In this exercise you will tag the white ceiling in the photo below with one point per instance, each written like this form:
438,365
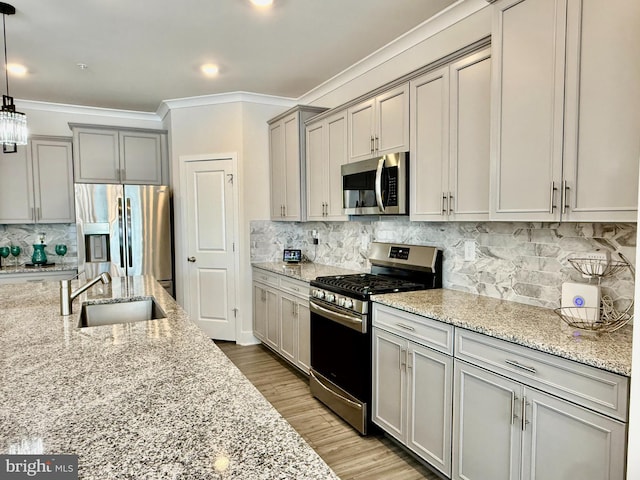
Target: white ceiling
140,52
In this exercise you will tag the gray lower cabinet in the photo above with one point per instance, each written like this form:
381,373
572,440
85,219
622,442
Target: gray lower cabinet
37,182
504,428
281,317
412,383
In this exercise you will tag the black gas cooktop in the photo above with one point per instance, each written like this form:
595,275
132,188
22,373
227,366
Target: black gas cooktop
365,284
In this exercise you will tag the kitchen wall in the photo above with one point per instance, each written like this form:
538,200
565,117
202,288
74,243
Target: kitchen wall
27,235
521,262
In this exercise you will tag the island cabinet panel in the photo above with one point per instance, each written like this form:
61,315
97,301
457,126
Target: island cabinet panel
534,415
38,186
287,165
119,155
412,383
450,112
565,111
326,153
281,318
379,125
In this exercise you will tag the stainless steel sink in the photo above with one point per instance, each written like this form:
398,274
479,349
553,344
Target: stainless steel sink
123,311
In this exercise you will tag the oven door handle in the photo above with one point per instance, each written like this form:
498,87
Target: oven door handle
335,394
379,184
354,323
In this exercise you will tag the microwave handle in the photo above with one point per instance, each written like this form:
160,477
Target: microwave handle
379,184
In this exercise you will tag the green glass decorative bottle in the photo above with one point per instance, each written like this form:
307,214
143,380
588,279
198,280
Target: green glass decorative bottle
39,256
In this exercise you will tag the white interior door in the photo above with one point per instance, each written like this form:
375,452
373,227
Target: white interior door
210,256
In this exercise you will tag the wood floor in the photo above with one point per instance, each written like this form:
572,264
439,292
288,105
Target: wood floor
350,455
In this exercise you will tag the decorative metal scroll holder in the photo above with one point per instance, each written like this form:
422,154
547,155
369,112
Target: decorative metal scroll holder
607,318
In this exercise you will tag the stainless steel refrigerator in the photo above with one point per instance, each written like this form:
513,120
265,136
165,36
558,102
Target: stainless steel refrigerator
125,230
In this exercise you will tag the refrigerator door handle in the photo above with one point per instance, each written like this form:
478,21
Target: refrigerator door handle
129,243
121,231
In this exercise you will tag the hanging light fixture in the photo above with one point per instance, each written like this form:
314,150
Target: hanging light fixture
13,125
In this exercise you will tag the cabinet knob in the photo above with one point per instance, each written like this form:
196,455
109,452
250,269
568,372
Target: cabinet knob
191,259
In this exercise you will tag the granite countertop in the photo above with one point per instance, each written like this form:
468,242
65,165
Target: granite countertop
534,327
8,269
154,399
306,271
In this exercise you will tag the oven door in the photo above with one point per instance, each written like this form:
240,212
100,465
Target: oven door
341,362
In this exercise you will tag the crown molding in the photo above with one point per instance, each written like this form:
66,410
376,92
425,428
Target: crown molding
221,98
86,110
447,17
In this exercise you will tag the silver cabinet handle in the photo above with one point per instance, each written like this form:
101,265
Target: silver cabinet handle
406,327
552,193
191,259
524,413
565,196
33,213
377,143
444,201
372,144
514,399
403,358
450,203
520,366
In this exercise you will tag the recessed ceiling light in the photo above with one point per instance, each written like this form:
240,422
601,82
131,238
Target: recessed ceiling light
82,66
262,3
210,69
17,69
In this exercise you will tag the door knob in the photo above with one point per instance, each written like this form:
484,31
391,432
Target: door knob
191,259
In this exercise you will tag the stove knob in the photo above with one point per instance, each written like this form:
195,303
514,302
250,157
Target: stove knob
331,297
320,294
348,303
341,301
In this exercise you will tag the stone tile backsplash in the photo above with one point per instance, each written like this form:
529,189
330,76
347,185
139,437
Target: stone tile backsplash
521,262
28,234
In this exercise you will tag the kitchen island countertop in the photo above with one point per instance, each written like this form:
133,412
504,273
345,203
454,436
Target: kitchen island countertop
153,400
535,327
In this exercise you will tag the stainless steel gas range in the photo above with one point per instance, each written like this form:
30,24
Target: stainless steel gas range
340,374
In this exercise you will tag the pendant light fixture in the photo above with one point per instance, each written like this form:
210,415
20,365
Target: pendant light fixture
13,125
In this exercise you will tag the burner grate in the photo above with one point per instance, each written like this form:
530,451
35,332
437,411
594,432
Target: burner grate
366,284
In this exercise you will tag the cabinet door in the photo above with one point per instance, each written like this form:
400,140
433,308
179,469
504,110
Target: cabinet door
96,156
288,328
140,158
260,312
470,114
563,440
316,172
602,116
272,337
361,119
429,409
16,187
277,170
392,120
336,138
429,146
304,336
389,383
52,162
527,111
486,430
292,168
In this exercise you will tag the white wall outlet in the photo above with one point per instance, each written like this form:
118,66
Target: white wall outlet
469,251
314,233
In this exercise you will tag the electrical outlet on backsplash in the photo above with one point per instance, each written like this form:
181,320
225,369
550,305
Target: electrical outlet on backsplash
25,236
521,262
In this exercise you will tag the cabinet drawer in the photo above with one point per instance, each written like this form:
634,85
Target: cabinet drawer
294,287
588,386
425,331
265,277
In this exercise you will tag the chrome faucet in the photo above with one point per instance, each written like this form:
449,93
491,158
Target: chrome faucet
67,296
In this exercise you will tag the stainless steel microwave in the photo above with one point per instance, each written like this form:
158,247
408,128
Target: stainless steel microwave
377,186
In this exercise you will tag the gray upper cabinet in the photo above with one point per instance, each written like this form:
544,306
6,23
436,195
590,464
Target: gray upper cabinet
565,113
114,155
450,111
287,151
379,125
37,186
326,153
